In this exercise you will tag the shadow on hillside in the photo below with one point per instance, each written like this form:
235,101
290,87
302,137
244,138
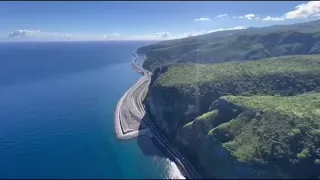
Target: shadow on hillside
148,145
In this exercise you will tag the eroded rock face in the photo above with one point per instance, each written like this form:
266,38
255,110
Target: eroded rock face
230,137
175,106
171,109
187,116
211,157
255,141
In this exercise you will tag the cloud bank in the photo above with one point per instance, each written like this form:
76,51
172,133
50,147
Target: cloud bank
302,11
247,16
305,10
269,18
163,34
24,34
222,15
111,36
202,19
197,33
39,35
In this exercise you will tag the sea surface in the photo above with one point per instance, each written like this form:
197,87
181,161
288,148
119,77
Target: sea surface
57,103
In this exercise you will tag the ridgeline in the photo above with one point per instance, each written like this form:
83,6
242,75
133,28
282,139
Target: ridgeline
241,103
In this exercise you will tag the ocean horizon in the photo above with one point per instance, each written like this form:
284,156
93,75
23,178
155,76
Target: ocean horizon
57,102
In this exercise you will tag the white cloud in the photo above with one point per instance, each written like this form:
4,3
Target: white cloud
202,19
247,16
227,29
30,35
239,17
39,35
24,34
168,35
269,18
197,33
304,10
316,15
194,33
222,15
155,36
111,36
163,34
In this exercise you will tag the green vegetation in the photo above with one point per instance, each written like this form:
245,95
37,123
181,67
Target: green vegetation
269,131
304,154
189,74
305,105
256,129
269,121
208,115
195,83
241,103
236,45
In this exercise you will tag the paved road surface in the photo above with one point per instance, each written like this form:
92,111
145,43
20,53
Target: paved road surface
129,113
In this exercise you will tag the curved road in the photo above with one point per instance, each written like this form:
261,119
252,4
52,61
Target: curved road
130,110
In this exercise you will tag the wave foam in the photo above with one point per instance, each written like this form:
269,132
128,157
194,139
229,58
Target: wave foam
169,169
174,172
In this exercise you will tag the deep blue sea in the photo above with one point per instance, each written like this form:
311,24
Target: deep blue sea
57,103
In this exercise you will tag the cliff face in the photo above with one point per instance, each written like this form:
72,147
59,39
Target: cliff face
235,141
257,137
175,104
242,119
172,108
208,152
222,136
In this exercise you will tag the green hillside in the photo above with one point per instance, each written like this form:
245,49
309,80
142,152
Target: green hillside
280,134
241,103
236,45
197,74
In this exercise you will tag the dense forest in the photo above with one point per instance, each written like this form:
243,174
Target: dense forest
236,45
241,103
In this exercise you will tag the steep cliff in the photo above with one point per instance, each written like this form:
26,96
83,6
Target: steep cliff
183,103
184,91
256,137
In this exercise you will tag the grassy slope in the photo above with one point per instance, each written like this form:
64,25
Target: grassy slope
278,132
281,131
260,130
286,75
292,116
248,44
196,74
197,86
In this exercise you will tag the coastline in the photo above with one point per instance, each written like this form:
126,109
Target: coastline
128,133
151,130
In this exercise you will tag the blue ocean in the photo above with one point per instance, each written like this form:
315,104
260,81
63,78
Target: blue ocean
57,103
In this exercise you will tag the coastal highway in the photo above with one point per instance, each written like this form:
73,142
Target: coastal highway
129,113
179,159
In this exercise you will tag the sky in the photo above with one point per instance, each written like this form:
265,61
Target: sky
153,20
